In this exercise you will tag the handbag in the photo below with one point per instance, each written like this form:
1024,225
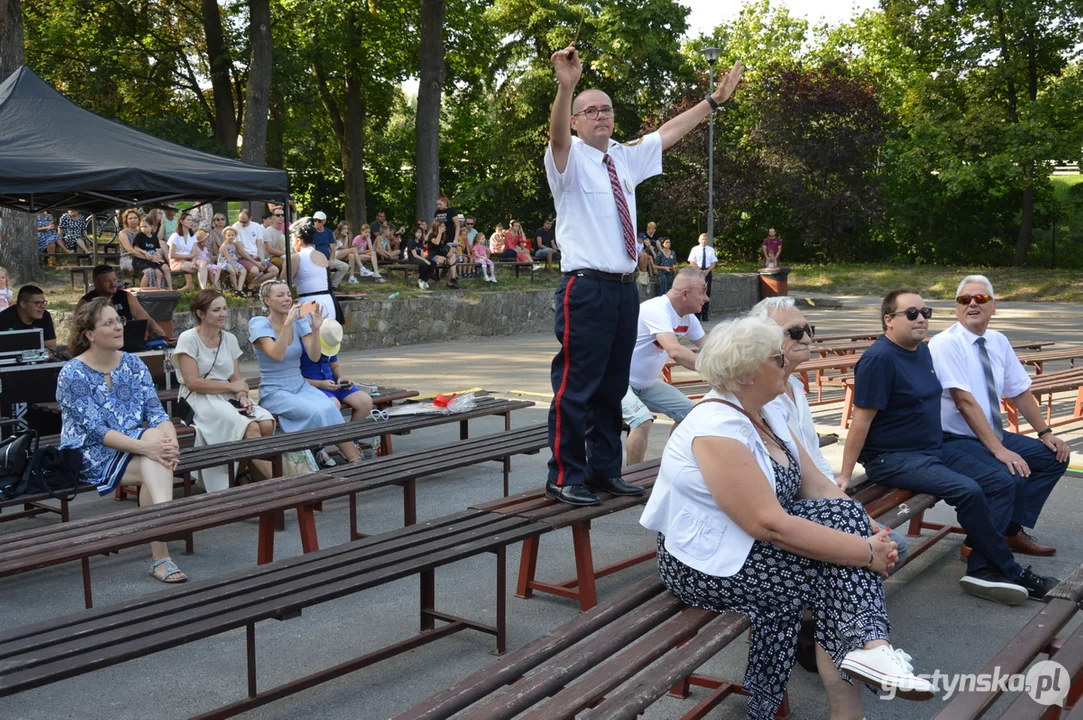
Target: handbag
182,409
54,471
15,453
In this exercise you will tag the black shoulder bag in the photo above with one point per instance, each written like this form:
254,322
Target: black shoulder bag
182,408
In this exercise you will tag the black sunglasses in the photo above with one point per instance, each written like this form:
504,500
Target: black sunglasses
912,313
796,333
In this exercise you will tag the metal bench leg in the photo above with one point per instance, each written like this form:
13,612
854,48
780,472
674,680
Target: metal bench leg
250,644
501,599
584,565
528,567
88,596
428,600
306,523
265,546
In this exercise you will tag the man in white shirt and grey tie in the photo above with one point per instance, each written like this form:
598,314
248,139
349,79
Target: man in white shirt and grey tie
593,180
977,367
703,257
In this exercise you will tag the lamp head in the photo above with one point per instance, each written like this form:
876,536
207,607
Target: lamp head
711,53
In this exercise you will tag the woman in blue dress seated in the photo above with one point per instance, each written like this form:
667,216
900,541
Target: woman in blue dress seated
279,340
112,415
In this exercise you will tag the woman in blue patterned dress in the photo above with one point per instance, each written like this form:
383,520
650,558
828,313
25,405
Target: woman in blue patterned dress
48,237
112,415
664,262
279,340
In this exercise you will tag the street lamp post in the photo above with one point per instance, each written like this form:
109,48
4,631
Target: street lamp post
711,53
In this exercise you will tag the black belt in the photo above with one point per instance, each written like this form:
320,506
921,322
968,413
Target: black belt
614,277
316,292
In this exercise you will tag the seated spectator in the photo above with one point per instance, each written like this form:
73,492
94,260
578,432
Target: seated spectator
440,254
73,231
309,268
127,305
274,240
218,235
654,242
111,414
746,523
344,250
365,248
206,259
130,222
6,296
470,223
896,434
426,269
516,245
384,245
480,253
251,252
29,313
146,258
978,367
396,242
663,323
167,222
229,260
497,244
279,340
208,360
664,262
48,237
380,223
547,246
183,254
639,420
324,242
324,374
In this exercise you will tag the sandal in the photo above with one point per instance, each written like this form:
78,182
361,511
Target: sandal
171,569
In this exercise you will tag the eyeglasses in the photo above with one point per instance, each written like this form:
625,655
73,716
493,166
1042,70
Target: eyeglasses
114,323
796,333
37,303
279,214
980,299
219,219
912,313
779,359
593,113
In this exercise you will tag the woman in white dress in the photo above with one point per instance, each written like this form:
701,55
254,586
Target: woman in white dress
207,358
309,273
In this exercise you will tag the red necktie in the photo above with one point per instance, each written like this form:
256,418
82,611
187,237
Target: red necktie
622,208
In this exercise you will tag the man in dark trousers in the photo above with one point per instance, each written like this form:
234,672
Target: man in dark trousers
704,258
593,180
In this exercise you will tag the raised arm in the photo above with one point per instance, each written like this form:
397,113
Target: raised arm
680,126
568,69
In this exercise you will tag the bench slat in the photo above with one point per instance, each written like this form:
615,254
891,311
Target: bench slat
1070,656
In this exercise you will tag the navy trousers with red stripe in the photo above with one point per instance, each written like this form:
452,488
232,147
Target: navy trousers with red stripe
596,323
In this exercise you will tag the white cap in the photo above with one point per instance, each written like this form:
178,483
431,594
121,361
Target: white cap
319,215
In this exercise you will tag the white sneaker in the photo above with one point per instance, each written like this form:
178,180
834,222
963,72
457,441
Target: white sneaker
425,286
888,669
379,279
537,267
323,459
365,272
352,279
421,285
492,278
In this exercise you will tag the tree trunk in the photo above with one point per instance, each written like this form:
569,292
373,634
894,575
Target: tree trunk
18,238
276,131
1026,225
258,100
225,110
353,159
431,76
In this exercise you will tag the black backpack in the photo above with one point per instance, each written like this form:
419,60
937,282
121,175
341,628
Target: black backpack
26,469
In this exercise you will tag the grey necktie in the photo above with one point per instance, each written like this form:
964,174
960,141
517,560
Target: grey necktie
991,388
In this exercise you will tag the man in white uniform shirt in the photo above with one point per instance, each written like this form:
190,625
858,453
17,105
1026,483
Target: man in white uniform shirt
663,322
593,180
704,258
977,367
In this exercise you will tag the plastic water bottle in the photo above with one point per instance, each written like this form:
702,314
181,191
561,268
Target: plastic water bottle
393,295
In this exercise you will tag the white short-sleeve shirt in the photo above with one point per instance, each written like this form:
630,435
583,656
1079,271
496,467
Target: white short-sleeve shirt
587,221
648,358
250,237
702,256
958,365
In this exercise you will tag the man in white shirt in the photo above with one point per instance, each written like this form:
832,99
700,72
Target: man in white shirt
593,180
250,236
704,258
274,241
978,367
663,322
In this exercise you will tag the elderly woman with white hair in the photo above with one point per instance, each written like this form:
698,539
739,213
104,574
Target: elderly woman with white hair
747,523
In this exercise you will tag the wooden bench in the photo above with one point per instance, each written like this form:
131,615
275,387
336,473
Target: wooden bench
57,649
1038,637
644,637
83,271
1046,385
81,539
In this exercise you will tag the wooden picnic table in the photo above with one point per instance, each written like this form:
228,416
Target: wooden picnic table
844,337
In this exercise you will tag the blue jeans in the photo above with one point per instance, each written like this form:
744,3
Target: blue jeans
982,498
1031,492
666,399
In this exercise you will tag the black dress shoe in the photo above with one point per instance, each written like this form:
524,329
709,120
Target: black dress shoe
614,485
571,494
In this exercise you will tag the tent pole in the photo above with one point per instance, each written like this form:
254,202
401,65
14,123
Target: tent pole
286,217
93,239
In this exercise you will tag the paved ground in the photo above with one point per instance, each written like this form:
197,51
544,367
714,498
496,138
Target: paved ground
932,618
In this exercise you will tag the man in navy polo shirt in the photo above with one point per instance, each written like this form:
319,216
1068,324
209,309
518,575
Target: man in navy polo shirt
896,434
593,180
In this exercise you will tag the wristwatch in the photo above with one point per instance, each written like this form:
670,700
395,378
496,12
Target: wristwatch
1044,432
712,102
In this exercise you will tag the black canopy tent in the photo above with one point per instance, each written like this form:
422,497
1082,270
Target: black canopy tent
54,153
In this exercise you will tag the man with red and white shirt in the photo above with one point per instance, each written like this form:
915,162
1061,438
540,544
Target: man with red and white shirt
663,322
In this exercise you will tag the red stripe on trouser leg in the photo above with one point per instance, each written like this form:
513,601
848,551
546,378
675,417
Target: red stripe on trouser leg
563,379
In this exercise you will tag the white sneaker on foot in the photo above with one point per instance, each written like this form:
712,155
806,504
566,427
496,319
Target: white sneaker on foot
888,669
365,272
352,279
537,267
421,285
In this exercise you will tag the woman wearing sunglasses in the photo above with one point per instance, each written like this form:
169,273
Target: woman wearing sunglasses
747,523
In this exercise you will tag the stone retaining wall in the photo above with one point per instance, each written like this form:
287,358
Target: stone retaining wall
378,322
